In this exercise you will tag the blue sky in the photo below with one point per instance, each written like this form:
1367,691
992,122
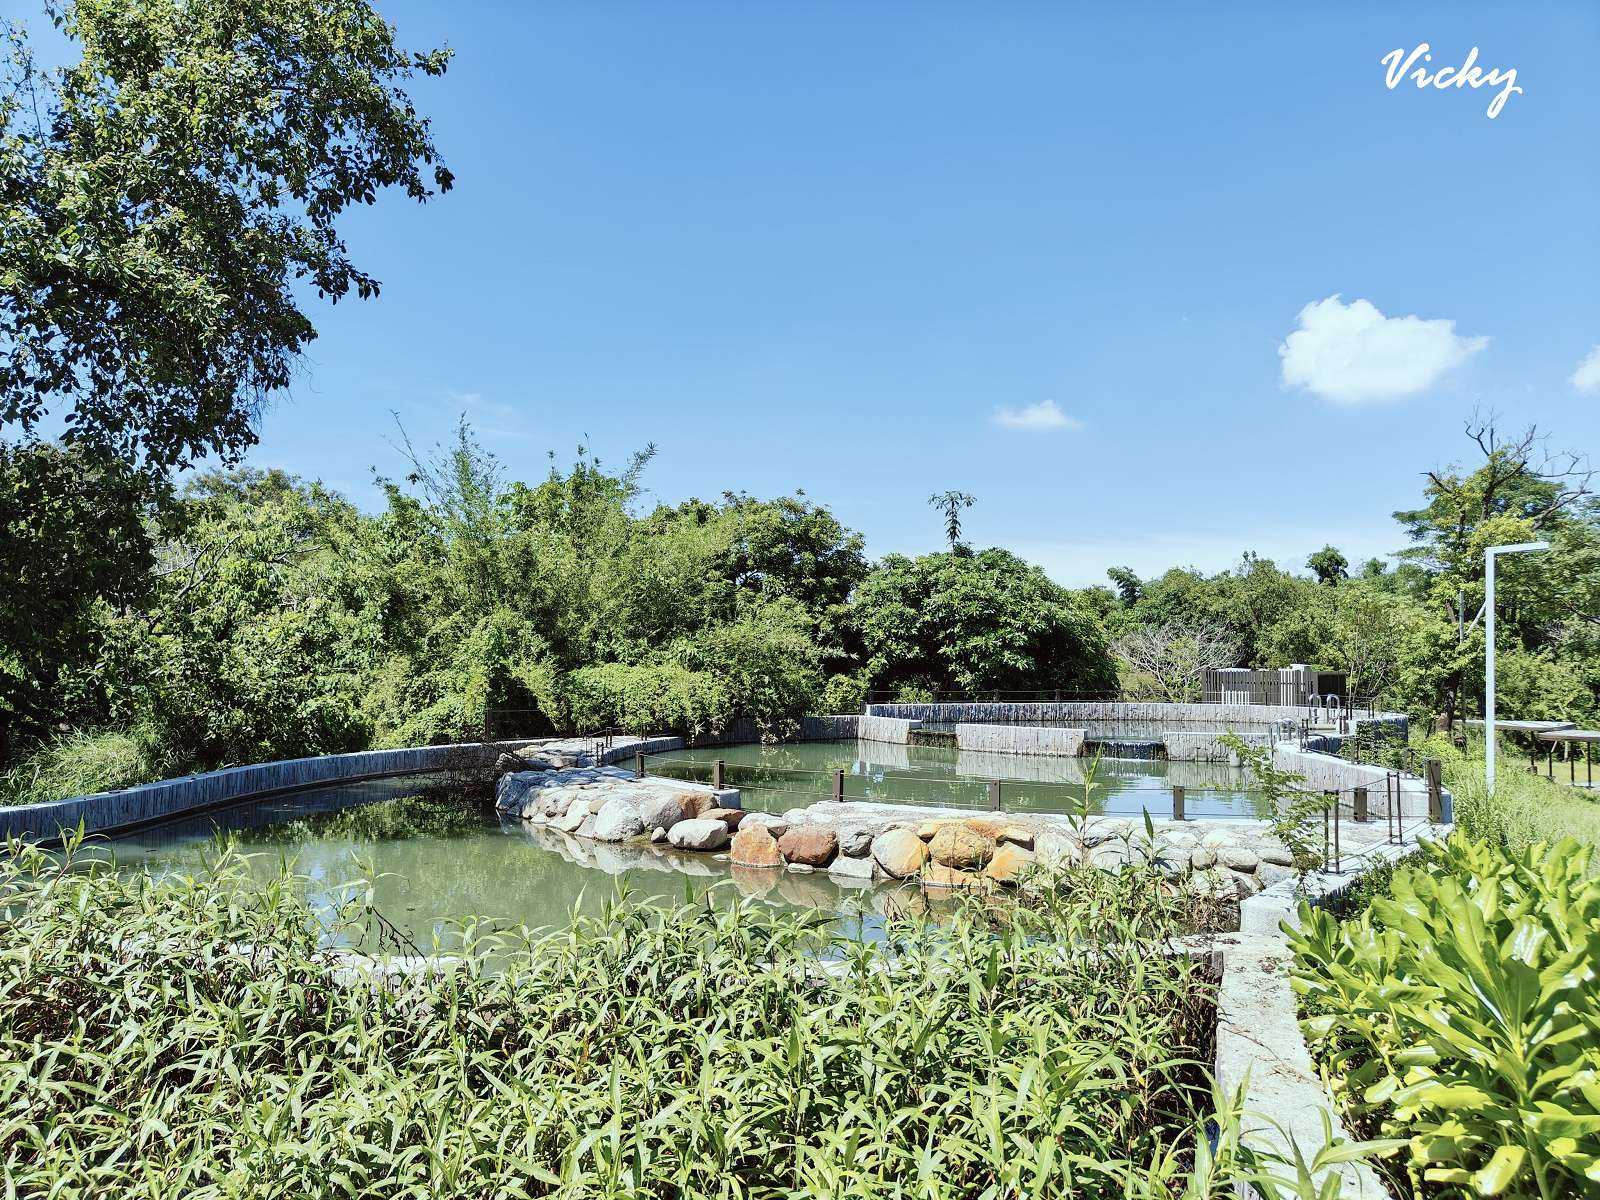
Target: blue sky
827,246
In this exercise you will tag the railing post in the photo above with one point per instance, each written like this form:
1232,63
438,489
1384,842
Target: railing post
638,764
1338,865
1177,803
1435,775
719,771
1360,798
838,785
994,795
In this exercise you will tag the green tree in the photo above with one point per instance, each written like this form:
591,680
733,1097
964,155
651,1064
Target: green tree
1129,586
74,546
951,505
968,623
1328,565
168,199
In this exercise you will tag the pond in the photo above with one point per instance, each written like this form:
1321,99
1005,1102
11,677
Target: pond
773,778
435,857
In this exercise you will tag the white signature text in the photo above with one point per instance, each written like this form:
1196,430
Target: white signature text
1398,65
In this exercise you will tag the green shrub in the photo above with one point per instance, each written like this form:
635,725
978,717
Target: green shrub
1461,1014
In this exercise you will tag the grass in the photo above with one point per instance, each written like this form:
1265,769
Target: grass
79,764
188,1037
1525,809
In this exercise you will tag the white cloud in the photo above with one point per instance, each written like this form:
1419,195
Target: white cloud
1587,377
1037,418
1352,353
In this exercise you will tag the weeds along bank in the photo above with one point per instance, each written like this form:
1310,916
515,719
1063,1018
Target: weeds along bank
194,1037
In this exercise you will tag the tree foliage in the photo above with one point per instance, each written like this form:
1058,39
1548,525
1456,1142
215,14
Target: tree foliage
167,199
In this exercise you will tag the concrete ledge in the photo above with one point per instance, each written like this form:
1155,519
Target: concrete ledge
1091,712
874,728
1329,772
1019,739
149,803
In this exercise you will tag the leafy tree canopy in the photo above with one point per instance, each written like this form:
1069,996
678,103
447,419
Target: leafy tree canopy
165,200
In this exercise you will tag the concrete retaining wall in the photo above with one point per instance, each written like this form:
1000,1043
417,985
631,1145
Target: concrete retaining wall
111,812
837,728
876,728
1019,739
1328,772
1105,712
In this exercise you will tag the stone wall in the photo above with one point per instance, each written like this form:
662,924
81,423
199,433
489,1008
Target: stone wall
1020,739
833,728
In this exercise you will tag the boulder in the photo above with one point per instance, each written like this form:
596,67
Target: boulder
775,825
937,875
696,834
754,846
695,803
1238,858
855,841
1010,863
617,820
1277,855
900,853
1017,835
1269,873
1108,856
728,816
960,847
853,868
660,810
572,819
658,834
1055,848
1202,858
811,846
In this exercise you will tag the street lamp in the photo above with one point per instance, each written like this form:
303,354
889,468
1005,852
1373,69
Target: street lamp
1489,555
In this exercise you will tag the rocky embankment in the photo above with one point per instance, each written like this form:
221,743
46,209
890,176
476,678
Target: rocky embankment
854,841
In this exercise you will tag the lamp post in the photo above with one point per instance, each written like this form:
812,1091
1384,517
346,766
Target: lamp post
1489,555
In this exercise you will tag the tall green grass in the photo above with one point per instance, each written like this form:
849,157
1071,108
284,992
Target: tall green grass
78,764
189,1037
1525,809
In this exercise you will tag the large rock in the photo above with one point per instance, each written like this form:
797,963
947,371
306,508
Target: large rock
853,868
661,810
774,824
1277,855
754,846
855,841
573,818
728,816
809,845
617,820
1238,858
937,875
1202,858
960,847
1010,863
698,835
1055,848
900,853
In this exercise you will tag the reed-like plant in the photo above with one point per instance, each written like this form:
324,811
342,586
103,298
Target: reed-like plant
197,1037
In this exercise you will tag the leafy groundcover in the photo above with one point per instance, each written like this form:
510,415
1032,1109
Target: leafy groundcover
193,1038
1462,1014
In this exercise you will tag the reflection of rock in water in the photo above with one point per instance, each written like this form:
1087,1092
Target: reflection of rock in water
758,882
805,891
1218,776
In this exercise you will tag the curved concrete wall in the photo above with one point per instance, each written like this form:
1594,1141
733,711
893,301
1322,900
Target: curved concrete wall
111,812
1020,739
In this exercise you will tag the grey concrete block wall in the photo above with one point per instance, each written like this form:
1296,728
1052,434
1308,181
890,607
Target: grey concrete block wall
876,728
1101,712
1020,739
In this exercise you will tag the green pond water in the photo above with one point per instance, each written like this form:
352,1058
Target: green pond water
773,778
433,859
